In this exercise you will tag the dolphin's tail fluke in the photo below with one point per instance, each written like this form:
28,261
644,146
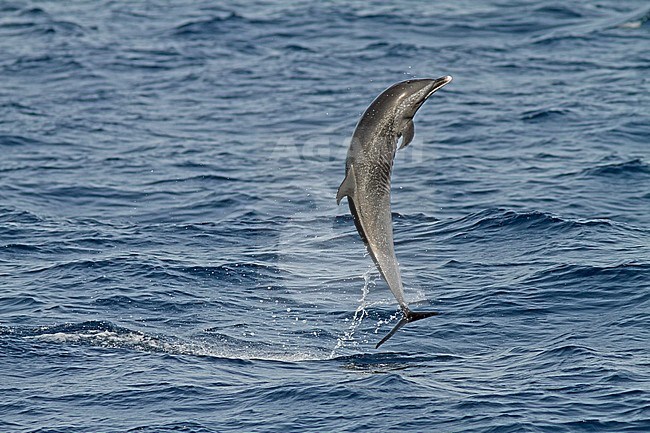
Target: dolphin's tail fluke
408,317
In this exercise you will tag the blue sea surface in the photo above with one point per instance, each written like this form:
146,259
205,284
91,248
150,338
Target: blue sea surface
172,258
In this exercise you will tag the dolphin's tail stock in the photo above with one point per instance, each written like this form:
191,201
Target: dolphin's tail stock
408,317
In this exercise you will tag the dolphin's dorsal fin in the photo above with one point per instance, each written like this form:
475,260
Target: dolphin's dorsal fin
407,134
347,186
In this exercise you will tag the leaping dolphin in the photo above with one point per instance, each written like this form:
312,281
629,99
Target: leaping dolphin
368,169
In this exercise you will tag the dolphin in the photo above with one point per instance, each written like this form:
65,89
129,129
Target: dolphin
368,170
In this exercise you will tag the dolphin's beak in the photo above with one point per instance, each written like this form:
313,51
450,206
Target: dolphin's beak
437,84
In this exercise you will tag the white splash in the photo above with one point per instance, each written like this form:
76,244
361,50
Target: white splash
359,314
135,340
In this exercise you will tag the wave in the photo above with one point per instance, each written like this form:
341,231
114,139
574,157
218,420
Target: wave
55,66
631,167
37,21
19,140
635,20
105,334
504,219
588,26
624,273
19,216
136,266
544,114
376,50
202,178
557,11
211,26
18,248
581,288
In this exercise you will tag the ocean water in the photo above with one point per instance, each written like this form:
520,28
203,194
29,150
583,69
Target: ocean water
172,257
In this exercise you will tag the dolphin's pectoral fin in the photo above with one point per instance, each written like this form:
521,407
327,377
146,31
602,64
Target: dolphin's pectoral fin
347,186
409,316
407,134
358,225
